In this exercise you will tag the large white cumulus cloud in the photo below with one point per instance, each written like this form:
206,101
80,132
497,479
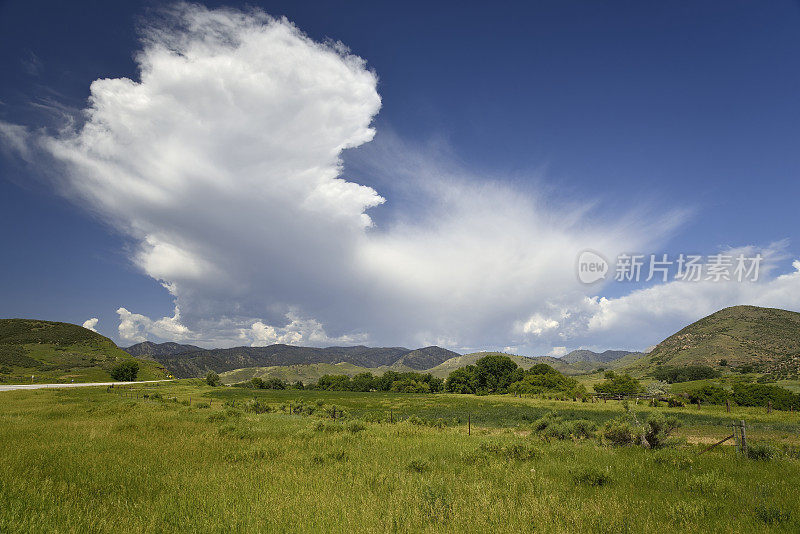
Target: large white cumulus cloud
222,162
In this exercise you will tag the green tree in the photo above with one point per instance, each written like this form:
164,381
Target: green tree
496,372
257,383
363,382
408,385
125,371
615,384
212,379
541,378
463,380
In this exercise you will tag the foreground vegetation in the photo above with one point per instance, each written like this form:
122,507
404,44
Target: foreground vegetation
231,459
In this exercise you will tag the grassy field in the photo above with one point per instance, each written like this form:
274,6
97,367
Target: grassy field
88,460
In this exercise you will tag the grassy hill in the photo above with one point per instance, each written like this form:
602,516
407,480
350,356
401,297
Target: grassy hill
61,352
767,339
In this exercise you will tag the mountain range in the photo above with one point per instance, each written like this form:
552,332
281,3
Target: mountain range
765,340
197,362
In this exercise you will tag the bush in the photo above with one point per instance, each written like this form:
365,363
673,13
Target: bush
212,379
553,426
557,431
356,426
545,421
582,429
516,451
761,395
760,451
674,402
418,466
620,432
709,394
125,371
771,515
657,429
591,476
254,406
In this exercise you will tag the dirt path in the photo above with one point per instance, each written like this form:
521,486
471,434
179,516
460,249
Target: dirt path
14,387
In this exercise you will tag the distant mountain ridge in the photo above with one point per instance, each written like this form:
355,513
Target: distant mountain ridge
148,348
197,362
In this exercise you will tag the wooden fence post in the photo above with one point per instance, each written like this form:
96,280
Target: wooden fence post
391,416
744,439
727,406
769,406
469,424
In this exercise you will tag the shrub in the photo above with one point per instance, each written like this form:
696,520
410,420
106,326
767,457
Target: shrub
760,451
212,379
657,430
675,402
582,428
202,405
125,371
760,395
771,515
545,421
356,426
517,451
709,394
591,476
557,431
620,432
418,466
254,406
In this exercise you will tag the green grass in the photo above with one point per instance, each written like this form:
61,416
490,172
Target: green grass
84,460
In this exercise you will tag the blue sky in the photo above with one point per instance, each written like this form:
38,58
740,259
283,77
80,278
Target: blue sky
671,127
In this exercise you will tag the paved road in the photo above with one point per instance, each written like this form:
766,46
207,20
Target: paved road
12,387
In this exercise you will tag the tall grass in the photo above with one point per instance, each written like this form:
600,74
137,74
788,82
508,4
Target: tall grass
90,461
